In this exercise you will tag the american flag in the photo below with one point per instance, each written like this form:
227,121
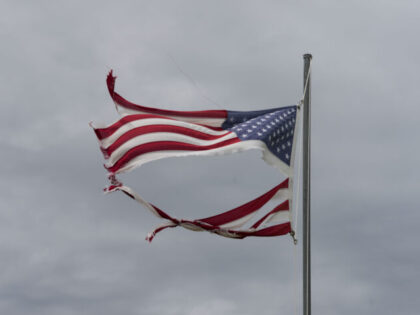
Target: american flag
145,134
229,223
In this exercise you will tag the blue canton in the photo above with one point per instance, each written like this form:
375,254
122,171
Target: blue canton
275,127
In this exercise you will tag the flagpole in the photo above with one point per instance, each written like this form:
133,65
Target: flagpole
306,196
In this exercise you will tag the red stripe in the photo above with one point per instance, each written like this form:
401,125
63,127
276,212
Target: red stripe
103,133
164,145
274,230
157,128
243,210
152,236
284,206
212,127
197,223
163,214
123,102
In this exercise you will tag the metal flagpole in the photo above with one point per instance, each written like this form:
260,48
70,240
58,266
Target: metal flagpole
306,189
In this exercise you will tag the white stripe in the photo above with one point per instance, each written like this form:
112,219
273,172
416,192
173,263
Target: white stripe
139,199
282,193
225,233
229,149
239,222
106,142
191,226
278,217
213,122
161,136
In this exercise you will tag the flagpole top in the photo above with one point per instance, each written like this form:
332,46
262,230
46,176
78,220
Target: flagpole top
307,56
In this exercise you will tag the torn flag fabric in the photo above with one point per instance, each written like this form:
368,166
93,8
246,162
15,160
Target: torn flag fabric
230,223
145,134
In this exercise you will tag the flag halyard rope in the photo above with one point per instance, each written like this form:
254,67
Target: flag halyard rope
306,85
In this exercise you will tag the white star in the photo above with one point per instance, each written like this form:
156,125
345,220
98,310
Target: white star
244,135
249,130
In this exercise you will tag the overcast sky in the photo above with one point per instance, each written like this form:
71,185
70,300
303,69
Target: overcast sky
66,249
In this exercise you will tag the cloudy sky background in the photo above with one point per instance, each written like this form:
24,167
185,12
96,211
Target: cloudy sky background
67,249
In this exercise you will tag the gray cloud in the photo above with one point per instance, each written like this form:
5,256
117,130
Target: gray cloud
67,249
